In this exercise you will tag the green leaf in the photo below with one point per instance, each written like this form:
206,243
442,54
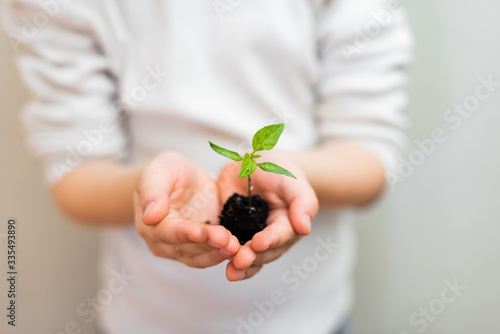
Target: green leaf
273,168
248,166
267,137
228,154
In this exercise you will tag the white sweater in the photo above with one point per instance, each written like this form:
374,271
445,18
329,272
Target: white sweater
128,79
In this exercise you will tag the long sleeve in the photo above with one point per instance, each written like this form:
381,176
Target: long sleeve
73,115
225,79
364,49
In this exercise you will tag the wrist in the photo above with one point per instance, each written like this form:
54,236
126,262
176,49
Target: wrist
124,184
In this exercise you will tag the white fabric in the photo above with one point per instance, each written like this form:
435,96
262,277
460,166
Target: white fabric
97,63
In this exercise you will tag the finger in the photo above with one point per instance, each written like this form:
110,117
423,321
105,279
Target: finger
303,205
206,259
176,231
154,192
277,233
234,274
137,210
245,257
141,228
233,247
218,236
186,250
273,254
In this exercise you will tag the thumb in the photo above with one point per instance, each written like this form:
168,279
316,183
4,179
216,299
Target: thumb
302,210
153,194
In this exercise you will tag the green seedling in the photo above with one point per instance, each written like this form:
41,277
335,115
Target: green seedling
264,140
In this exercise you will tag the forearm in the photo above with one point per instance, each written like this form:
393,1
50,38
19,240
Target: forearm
99,192
342,173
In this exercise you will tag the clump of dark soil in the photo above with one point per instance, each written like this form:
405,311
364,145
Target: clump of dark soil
242,220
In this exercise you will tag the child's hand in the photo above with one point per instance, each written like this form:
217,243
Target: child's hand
174,199
292,206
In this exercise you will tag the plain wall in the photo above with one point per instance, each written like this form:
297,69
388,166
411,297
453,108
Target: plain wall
440,224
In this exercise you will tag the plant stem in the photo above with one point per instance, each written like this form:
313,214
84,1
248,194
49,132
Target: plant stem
249,192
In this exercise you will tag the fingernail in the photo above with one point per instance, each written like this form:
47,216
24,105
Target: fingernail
224,253
242,276
148,207
307,220
211,244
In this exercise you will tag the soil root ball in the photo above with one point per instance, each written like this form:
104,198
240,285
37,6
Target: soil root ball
242,220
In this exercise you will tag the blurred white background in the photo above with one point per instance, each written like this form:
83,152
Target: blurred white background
443,221
440,224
